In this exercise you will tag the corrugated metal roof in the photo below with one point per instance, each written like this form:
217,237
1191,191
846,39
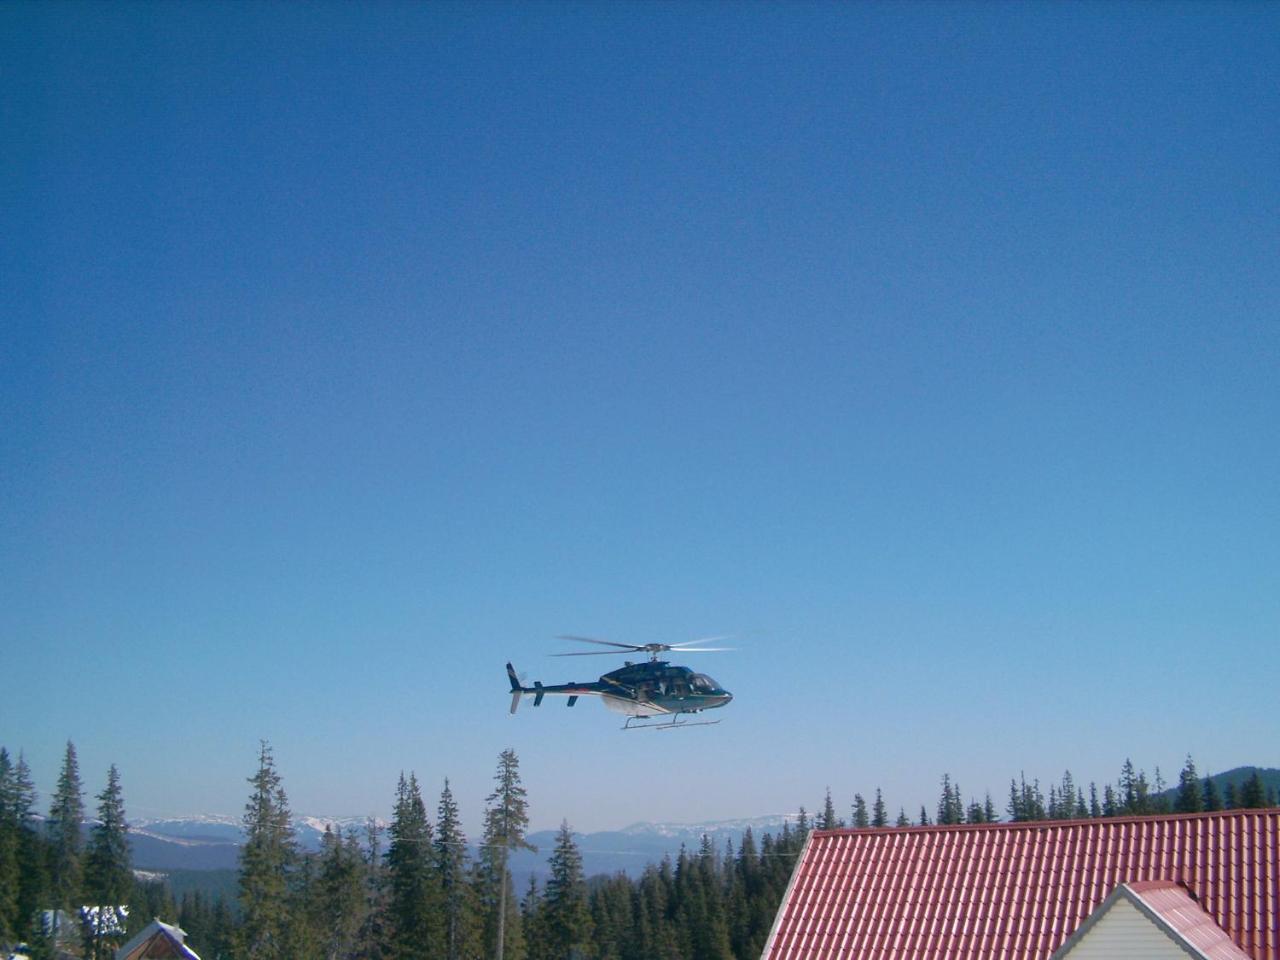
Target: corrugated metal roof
1017,891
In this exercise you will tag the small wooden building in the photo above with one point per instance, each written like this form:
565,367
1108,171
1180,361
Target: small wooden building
158,940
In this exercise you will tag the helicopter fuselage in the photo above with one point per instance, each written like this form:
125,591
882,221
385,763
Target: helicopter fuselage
649,689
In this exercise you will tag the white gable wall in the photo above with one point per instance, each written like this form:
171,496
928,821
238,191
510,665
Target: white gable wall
1124,931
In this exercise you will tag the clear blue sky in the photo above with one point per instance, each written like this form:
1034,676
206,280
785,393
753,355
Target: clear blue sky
929,350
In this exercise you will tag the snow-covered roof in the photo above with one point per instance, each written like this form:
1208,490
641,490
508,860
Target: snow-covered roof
171,935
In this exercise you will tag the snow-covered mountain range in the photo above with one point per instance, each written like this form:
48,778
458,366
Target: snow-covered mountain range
211,842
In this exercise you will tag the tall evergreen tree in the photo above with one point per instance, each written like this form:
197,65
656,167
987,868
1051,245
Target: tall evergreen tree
1095,808
506,822
828,819
1111,805
1128,787
567,917
1230,797
1067,800
532,915
950,805
33,871
1014,808
414,901
1142,794
902,820
612,917
108,874
337,901
1253,794
974,813
1158,802
860,816
66,816
451,870
9,840
1190,798
374,936
1212,799
268,858
879,813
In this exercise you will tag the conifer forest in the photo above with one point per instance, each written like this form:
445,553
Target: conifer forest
422,889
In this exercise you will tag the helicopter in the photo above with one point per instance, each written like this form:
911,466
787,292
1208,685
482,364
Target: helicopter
653,688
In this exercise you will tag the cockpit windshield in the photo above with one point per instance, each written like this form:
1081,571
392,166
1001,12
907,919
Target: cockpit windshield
704,683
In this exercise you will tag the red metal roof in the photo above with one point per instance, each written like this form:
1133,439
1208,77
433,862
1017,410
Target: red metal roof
1016,891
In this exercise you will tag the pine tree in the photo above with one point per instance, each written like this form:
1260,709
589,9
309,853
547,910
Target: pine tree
860,815
1110,802
989,810
1142,794
1253,794
336,897
413,906
1128,788
974,813
374,936
879,814
9,840
828,819
1095,808
150,899
506,821
612,917
1026,802
950,806
924,816
1212,798
451,870
108,874
1190,798
532,922
66,814
1067,796
902,820
1157,802
33,874
568,919
267,860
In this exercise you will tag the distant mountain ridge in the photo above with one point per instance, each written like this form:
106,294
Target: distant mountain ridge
212,842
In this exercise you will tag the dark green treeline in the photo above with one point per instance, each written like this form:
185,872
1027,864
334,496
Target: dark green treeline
420,891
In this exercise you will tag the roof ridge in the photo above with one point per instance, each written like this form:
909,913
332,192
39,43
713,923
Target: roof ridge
1048,824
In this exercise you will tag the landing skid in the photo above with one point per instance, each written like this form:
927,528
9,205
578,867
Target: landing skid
675,723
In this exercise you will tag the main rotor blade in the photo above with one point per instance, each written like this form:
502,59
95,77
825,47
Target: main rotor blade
586,653
603,643
688,643
704,649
